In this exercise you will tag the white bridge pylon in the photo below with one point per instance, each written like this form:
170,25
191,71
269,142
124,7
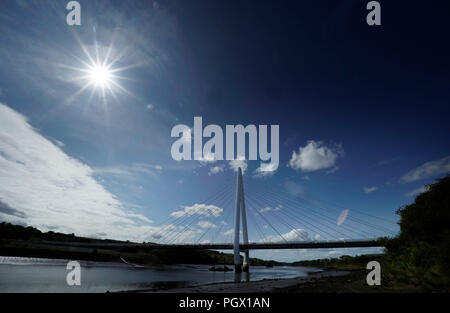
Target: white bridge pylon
238,213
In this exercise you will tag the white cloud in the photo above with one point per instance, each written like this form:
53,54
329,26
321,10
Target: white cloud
176,234
51,190
216,170
129,170
206,224
200,209
207,158
428,169
417,191
332,170
239,163
266,169
56,141
268,209
315,156
295,189
229,232
293,235
386,162
342,217
178,214
370,189
140,217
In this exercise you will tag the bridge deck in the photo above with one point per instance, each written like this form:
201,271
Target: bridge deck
227,246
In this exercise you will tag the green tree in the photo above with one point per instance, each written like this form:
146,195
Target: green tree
422,249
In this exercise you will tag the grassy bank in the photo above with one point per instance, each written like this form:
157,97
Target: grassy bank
392,279
353,282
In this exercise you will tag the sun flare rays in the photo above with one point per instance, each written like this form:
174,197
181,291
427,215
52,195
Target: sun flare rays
98,72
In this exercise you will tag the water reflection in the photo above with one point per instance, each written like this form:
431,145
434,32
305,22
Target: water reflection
237,277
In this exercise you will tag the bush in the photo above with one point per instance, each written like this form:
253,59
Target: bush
422,249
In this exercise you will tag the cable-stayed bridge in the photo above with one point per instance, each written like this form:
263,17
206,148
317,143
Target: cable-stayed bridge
277,220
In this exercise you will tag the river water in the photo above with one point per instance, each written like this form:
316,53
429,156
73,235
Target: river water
19,274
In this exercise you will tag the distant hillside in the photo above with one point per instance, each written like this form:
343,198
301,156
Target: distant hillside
9,231
17,240
345,262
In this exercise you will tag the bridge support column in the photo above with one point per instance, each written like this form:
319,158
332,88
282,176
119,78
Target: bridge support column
240,209
246,264
237,215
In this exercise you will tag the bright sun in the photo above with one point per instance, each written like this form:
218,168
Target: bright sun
99,72
100,75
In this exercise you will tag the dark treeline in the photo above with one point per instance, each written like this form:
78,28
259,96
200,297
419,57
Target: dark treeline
17,240
345,262
10,231
421,252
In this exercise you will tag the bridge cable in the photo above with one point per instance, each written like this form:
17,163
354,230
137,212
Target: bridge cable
357,220
195,217
337,210
326,218
257,227
302,221
212,225
180,220
175,219
222,225
270,224
343,207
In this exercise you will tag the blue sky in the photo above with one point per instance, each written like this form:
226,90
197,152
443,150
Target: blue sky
363,111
